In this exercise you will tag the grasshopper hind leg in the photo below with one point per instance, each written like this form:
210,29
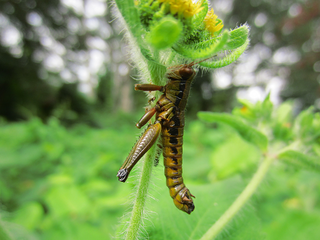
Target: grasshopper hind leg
145,142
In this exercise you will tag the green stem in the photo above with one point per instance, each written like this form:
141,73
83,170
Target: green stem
141,196
240,201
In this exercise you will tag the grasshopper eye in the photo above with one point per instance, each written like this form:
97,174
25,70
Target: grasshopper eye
186,72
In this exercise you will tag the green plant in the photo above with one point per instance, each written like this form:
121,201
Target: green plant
73,193
294,142
162,34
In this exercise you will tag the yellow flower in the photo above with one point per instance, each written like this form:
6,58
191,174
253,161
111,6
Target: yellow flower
192,8
211,23
186,8
174,7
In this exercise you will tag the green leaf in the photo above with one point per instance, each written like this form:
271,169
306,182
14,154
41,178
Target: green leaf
165,33
210,202
282,127
267,107
237,38
246,111
316,149
300,160
243,157
303,122
231,57
247,132
203,50
29,215
23,156
316,122
261,111
246,103
228,40
294,224
284,112
62,200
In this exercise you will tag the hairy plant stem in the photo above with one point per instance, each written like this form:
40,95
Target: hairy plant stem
240,201
138,211
141,196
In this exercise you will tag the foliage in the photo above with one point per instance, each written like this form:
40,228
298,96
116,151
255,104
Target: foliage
64,180
295,150
59,183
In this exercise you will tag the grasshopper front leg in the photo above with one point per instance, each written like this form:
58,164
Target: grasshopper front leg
145,142
148,115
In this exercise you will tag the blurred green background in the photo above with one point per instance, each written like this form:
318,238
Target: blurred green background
68,111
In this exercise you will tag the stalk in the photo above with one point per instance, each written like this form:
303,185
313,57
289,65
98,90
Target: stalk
240,201
138,211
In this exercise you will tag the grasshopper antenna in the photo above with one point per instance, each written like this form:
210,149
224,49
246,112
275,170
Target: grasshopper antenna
194,63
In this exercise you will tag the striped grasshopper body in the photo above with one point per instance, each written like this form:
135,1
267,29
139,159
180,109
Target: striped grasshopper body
169,110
